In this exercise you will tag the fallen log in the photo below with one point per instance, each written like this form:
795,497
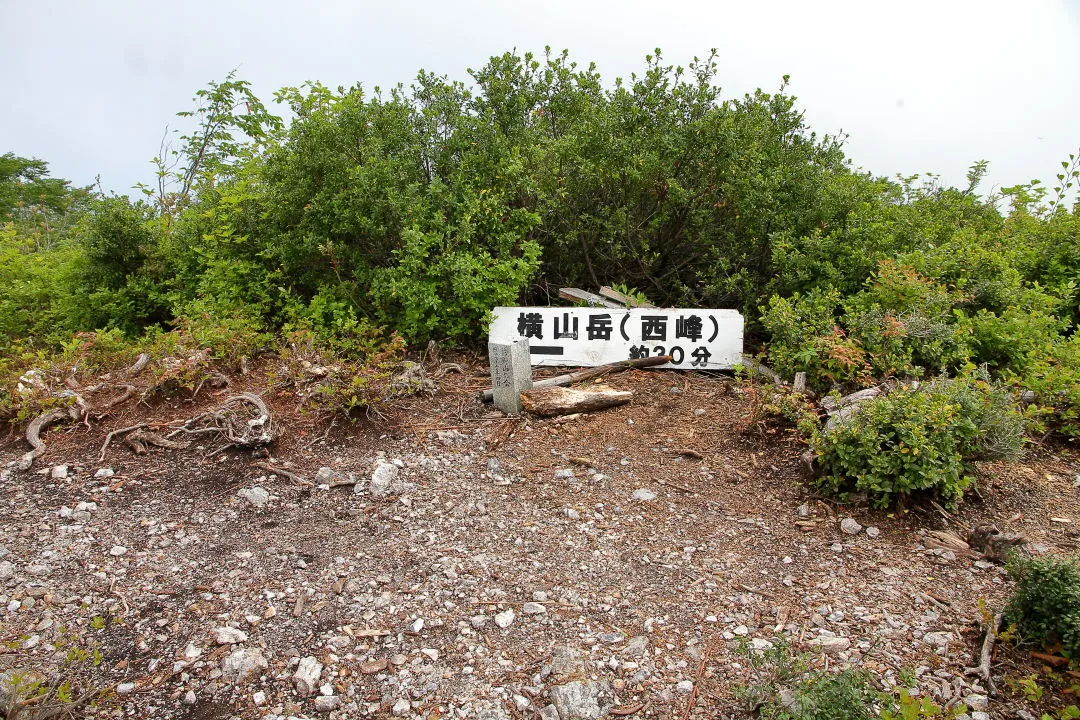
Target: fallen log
590,373
548,401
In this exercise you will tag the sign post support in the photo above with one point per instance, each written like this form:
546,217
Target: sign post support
511,373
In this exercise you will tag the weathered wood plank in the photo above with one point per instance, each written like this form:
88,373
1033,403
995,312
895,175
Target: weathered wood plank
550,401
578,295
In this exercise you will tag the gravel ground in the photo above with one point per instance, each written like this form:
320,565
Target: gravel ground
451,563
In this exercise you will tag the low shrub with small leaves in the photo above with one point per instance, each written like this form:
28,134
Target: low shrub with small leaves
1045,604
920,440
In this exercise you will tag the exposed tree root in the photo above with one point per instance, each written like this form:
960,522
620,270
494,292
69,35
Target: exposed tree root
283,472
983,668
238,427
33,433
139,439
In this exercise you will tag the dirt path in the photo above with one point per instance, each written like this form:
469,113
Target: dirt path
632,568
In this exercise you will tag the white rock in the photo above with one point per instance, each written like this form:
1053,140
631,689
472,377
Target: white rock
401,707
980,716
117,550
643,495
7,570
872,531
977,703
242,663
938,639
478,621
125,688
190,698
430,653
417,625
257,496
578,700
307,676
229,636
382,478
506,618
850,527
59,472
104,473
685,687
533,608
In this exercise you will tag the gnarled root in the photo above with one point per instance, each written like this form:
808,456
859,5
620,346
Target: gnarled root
33,433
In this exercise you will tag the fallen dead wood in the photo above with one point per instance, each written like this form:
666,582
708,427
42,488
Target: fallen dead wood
548,401
139,365
114,433
140,439
983,668
293,476
33,433
590,373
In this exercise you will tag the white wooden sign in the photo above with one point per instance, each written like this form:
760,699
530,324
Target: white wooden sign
591,336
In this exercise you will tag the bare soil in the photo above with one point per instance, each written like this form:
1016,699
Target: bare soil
396,596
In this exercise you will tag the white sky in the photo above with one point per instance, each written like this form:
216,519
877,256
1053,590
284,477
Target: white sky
918,86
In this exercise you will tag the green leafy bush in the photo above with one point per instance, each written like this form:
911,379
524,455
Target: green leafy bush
920,441
1045,604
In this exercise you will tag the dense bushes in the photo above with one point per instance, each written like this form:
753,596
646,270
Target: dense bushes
920,440
1045,604
418,209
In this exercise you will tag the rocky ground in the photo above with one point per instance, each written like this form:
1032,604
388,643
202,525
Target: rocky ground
448,562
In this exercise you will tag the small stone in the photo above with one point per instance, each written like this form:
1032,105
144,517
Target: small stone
398,660
977,703
382,478
836,547
533,608
257,496
938,639
564,474
401,707
506,618
104,473
307,676
872,531
325,475
578,700
7,570
229,636
741,630
242,663
416,626
540,596
373,666
478,621
259,698
699,412
118,550
191,699
549,712
430,653
830,645
125,688
803,511
643,495
760,644
685,687
850,527
326,703
980,716
59,472
572,514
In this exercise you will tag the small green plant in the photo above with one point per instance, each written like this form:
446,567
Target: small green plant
1045,604
920,440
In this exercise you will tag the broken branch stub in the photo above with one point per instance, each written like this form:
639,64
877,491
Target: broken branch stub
550,401
33,433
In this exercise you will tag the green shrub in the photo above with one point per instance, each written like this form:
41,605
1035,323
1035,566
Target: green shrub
1045,604
920,441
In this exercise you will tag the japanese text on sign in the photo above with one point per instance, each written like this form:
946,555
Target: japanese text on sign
588,336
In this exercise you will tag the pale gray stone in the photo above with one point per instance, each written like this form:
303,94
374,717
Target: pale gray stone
579,700
511,373
643,495
257,496
307,676
241,664
382,478
506,618
850,527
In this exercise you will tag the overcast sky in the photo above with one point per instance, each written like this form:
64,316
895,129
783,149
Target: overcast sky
918,86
